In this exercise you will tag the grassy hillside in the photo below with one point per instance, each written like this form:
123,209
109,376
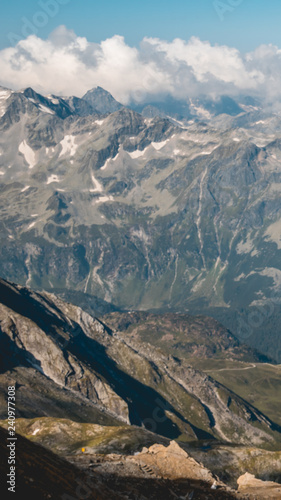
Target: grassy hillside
258,383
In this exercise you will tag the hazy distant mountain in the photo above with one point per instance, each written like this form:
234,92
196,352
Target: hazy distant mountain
102,101
202,108
169,107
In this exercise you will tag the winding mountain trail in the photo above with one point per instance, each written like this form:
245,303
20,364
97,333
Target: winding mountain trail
233,369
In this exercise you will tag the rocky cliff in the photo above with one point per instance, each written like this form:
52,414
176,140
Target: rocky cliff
124,379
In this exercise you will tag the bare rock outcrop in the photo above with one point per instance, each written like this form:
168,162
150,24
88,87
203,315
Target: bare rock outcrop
255,488
173,463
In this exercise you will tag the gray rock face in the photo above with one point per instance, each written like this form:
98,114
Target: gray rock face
255,488
145,213
39,333
102,101
127,380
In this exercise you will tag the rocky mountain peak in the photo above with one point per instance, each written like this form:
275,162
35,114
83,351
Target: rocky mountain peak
102,100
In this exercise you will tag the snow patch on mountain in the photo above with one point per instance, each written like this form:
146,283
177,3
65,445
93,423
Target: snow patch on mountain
106,163
103,199
52,178
240,277
109,160
28,154
208,152
116,156
68,146
97,185
273,233
48,150
137,154
245,247
159,145
4,95
272,272
46,110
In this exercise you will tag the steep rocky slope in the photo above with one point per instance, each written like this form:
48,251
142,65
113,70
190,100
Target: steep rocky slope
40,474
127,380
206,345
258,383
184,336
66,363
100,443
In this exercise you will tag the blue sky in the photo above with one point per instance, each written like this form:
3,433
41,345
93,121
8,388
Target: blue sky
192,47
249,24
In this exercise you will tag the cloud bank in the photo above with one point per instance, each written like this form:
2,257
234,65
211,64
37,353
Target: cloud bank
66,64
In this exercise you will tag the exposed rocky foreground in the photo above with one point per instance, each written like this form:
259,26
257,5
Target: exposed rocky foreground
255,488
66,438
169,470
173,467
157,473
42,475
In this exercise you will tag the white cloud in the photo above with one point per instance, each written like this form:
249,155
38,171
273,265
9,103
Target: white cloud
66,64
221,62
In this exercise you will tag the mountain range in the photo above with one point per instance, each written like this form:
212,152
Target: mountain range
170,205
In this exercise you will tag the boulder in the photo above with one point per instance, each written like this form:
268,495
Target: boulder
248,484
173,462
